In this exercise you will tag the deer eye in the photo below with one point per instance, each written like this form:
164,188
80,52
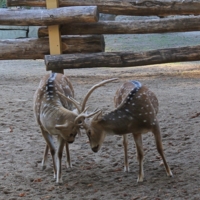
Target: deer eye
71,135
80,122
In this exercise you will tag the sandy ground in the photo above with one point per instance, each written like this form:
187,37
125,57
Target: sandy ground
100,176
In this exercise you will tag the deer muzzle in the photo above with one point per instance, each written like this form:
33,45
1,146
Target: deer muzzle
95,149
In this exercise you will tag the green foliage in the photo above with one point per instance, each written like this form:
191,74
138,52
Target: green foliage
3,4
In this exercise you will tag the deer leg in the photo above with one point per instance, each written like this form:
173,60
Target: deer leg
61,144
68,155
158,139
125,143
45,156
49,140
140,155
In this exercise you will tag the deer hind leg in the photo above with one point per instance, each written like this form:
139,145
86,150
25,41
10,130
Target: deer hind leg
46,150
158,139
61,144
49,140
140,155
68,155
125,143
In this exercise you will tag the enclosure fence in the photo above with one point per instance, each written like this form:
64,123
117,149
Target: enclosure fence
71,35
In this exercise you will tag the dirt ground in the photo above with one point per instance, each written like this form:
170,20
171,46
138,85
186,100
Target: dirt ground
100,176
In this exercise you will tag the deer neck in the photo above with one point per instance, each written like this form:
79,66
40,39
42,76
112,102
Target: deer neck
51,117
57,112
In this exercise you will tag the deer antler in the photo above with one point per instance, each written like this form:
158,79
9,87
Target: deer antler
93,88
72,100
77,104
84,115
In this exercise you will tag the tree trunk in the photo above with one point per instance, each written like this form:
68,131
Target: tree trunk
37,48
126,7
130,27
122,59
45,17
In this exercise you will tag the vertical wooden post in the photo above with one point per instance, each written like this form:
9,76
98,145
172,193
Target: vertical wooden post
54,34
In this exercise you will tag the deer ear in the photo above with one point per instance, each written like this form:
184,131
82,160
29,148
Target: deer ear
62,126
97,116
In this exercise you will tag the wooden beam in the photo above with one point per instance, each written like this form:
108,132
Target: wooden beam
182,24
126,7
43,17
123,59
32,48
54,34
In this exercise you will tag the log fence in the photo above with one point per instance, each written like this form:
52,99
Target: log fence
64,24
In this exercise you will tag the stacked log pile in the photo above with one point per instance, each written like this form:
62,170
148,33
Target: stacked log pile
31,48
81,18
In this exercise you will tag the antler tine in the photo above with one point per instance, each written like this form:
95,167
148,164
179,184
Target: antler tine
85,109
78,103
72,100
93,88
84,115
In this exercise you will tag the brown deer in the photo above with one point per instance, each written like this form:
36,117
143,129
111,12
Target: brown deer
55,116
136,110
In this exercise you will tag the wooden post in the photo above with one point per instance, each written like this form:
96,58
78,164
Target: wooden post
54,34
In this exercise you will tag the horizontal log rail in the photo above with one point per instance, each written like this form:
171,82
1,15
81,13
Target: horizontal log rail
122,59
37,48
182,24
43,17
126,7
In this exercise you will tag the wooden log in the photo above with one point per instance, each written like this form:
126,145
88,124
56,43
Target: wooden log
122,59
43,17
55,45
36,48
126,7
129,27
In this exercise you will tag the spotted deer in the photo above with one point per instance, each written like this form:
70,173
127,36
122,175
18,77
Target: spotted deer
136,110
55,116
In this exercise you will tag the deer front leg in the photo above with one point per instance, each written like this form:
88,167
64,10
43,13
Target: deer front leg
125,143
46,150
158,139
68,155
61,144
49,140
140,155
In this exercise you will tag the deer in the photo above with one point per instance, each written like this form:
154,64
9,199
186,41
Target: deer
135,112
54,113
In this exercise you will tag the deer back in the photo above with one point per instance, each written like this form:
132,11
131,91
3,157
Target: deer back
46,95
137,101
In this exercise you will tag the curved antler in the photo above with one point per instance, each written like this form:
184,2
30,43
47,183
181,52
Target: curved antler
84,115
72,100
93,88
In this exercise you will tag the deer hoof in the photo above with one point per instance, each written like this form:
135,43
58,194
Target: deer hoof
126,169
140,179
44,167
170,174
